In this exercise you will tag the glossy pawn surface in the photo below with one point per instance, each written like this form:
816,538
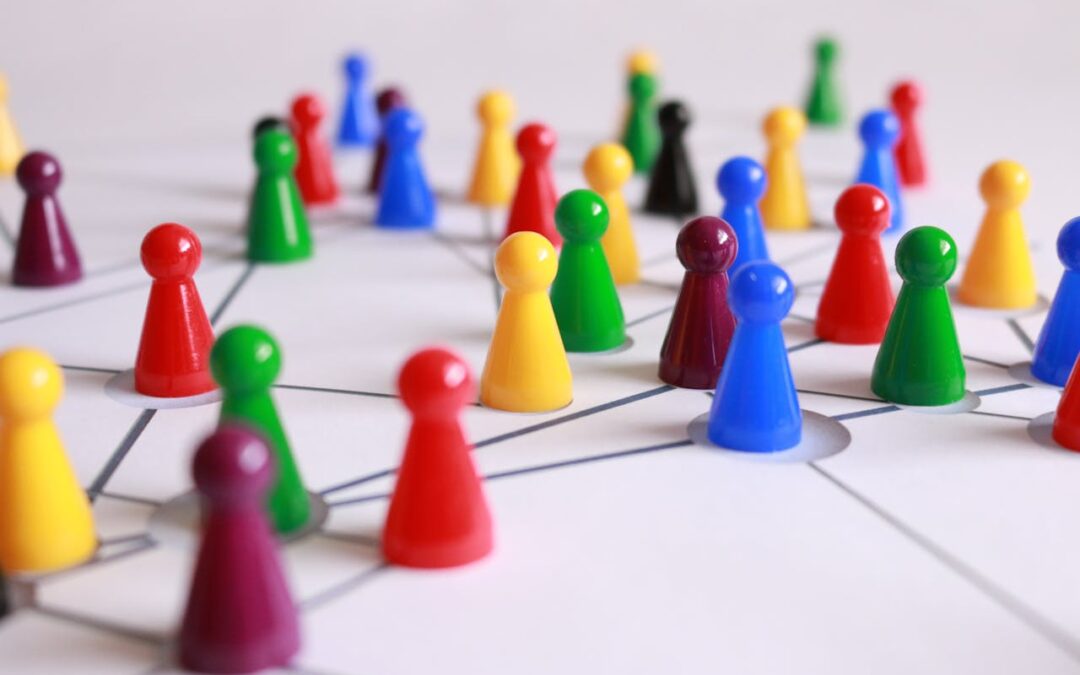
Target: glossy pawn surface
741,182
438,515
45,253
607,168
405,197
359,124
495,170
906,98
784,206
702,324
45,518
388,100
823,105
533,207
278,230
11,146
879,131
672,189
641,134
1058,345
240,616
314,165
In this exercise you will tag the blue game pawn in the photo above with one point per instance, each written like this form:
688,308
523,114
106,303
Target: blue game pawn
880,132
405,198
1059,341
741,182
756,408
359,126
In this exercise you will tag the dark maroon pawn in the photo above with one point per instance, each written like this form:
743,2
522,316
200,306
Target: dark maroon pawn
701,325
388,100
45,254
239,617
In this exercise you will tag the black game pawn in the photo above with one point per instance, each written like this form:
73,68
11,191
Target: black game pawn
266,123
671,184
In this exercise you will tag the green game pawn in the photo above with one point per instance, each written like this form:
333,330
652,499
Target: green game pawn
277,223
583,294
642,135
823,106
245,361
919,362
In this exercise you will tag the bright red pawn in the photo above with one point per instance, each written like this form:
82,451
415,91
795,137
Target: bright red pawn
438,514
533,208
315,165
174,351
858,298
910,162
1066,431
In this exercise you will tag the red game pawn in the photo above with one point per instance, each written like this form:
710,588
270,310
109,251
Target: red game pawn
910,162
858,297
1066,431
174,351
533,208
240,617
315,165
45,254
387,101
438,514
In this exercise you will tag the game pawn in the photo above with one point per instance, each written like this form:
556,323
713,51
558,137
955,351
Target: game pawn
784,206
405,198
1058,345
741,182
438,515
906,97
495,170
879,131
671,183
45,253
533,207
359,125
388,100
607,168
641,134
240,616
277,223
11,147
314,165
823,105
638,62
702,324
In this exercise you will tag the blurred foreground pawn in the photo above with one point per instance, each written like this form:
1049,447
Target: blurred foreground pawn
906,97
756,407
999,274
701,326
823,105
45,519
11,147
784,206
277,223
607,168
388,100
919,361
359,125
240,617
174,350
858,298
533,208
879,131
526,368
405,198
268,123
45,253
583,295
741,182
496,167
1058,345
641,135
315,165
671,182
1066,429
438,515
245,362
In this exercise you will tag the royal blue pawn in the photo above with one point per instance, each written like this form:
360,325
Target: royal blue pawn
359,126
755,408
880,132
1059,341
405,198
741,182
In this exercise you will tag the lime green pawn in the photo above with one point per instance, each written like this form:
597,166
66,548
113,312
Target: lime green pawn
642,135
583,294
245,361
277,223
823,106
919,361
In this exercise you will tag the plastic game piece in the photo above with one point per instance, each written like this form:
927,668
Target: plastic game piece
641,136
879,131
741,182
405,198
607,167
1058,345
268,123
495,170
702,324
438,514
906,97
533,207
671,183
11,147
919,361
999,274
314,165
756,407
359,126
858,299
387,101
174,350
45,519
526,368
1066,427
823,106
277,223
583,295
246,361
240,616
784,206
45,254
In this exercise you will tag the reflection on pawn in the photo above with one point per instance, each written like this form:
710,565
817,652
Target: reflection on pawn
741,182
45,253
672,190
879,131
405,198
277,223
1059,340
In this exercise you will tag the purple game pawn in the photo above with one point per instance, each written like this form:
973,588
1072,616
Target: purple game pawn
388,100
702,324
240,617
45,254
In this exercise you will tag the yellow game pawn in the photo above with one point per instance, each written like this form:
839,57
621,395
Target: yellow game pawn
607,168
641,61
526,368
11,147
45,521
999,273
784,205
497,164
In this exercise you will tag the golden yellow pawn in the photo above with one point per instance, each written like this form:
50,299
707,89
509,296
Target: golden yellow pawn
607,168
497,164
999,274
784,205
642,61
45,520
526,368
11,147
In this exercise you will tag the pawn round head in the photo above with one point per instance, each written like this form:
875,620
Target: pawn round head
495,108
268,123
1005,185
356,66
232,465
435,381
1068,245
879,129
642,61
389,99
826,50
526,262
674,117
607,167
862,210
761,292
706,245
170,252
245,359
926,256
741,180
581,216
38,173
536,142
642,86
275,151
30,384
906,96
784,125
403,128
307,110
